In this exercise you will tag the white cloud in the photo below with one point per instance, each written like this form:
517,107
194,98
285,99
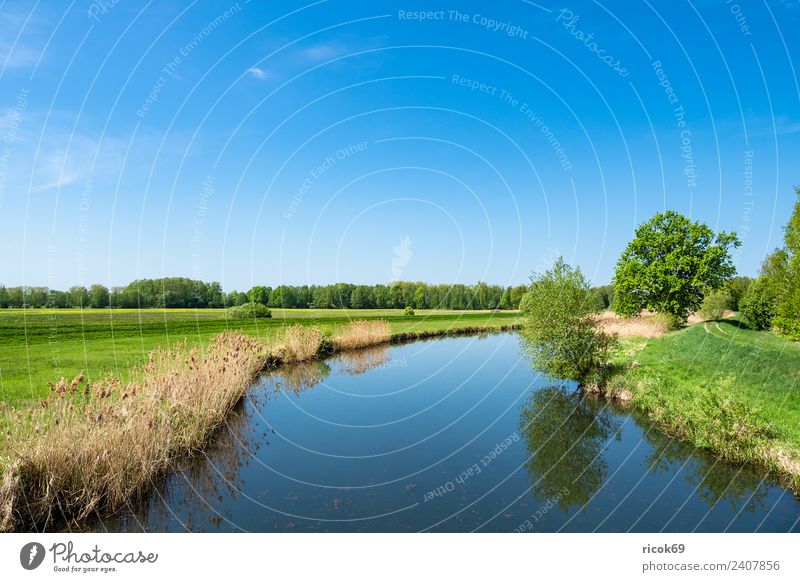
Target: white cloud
257,72
323,51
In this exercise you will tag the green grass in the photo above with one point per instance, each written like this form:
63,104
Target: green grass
38,346
721,386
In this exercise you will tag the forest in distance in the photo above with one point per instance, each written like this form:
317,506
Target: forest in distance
181,292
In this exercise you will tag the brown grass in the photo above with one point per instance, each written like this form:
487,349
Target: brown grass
362,333
647,325
93,448
300,343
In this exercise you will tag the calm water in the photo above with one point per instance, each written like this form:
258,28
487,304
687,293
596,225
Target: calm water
450,435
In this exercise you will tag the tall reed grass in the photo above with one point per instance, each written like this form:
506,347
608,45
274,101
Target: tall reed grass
301,343
93,448
363,333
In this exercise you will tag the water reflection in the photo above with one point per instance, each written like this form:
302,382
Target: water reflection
565,435
201,492
300,376
365,359
712,479
300,455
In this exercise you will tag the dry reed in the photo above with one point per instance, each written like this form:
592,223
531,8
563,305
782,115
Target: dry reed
300,343
363,333
647,325
92,448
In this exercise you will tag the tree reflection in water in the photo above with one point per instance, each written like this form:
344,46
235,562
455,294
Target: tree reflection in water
565,435
712,479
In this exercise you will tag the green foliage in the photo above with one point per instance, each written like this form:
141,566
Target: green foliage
683,367
759,304
408,310
259,294
178,292
737,287
671,265
559,334
249,311
716,303
787,278
604,296
98,297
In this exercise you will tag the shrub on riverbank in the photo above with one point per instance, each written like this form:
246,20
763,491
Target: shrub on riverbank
561,332
92,448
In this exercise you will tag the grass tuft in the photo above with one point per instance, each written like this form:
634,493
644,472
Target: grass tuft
362,333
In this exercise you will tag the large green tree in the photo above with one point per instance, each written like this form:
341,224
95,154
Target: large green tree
670,265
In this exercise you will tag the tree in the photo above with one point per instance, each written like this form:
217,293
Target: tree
259,294
670,265
737,287
16,297
78,296
505,300
560,332
98,297
760,303
3,297
787,279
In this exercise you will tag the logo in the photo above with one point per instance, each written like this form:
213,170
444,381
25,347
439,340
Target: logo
31,555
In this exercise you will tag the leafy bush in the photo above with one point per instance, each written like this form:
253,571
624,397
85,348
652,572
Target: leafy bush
408,310
716,304
249,311
560,333
760,303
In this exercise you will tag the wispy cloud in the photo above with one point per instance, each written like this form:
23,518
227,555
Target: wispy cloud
16,28
57,166
257,72
324,51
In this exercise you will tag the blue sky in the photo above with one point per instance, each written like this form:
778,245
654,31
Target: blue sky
314,142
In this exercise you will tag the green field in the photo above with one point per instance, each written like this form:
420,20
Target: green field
38,346
760,370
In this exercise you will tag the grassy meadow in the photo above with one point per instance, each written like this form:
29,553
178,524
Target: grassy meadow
721,386
38,346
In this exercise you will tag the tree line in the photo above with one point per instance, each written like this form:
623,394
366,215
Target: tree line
181,292
773,300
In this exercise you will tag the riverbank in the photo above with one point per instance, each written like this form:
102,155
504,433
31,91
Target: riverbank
720,386
90,448
38,346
